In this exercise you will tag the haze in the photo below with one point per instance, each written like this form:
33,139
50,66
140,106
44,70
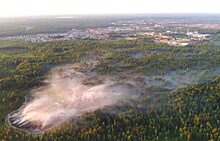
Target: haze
18,8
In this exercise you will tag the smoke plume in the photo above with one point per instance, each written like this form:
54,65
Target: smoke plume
67,94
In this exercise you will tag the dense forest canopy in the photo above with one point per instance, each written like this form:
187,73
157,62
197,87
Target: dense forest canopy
189,112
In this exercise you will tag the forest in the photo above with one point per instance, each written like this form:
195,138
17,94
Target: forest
183,104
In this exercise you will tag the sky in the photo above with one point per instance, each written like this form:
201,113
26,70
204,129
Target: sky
18,8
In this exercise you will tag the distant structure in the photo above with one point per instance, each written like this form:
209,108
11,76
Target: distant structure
196,34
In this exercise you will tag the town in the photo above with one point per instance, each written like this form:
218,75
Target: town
129,30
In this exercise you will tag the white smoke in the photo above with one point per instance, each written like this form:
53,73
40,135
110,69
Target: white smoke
65,96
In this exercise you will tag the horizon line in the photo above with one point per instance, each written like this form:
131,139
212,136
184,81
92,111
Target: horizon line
110,14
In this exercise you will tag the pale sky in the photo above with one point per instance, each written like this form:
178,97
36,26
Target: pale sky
16,8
